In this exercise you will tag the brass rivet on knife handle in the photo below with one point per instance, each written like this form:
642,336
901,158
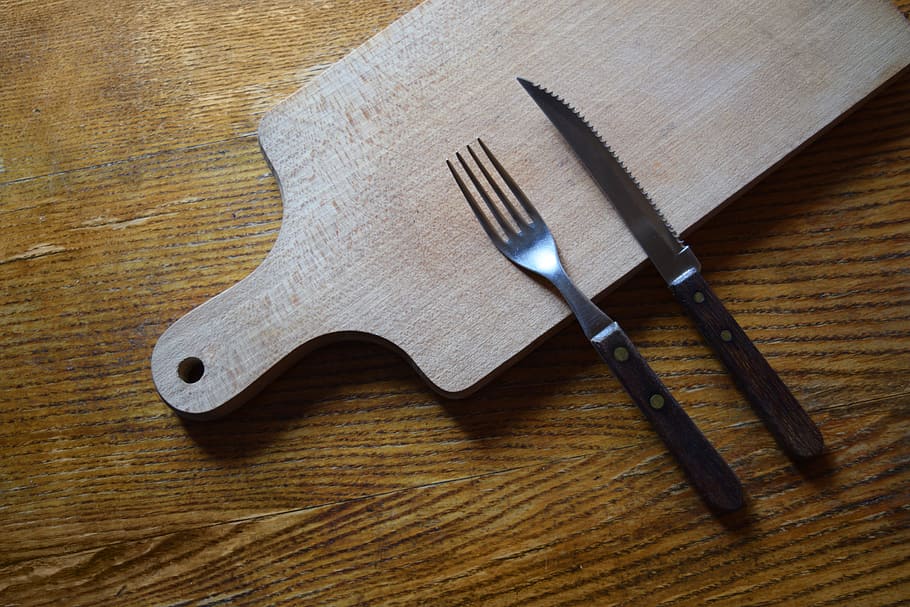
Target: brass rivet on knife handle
656,401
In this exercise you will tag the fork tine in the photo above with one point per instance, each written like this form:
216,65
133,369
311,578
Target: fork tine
519,195
475,206
521,221
503,224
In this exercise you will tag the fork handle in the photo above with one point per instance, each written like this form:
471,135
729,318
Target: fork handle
706,469
781,413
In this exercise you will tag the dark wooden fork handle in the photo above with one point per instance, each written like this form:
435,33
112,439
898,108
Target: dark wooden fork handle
706,469
787,421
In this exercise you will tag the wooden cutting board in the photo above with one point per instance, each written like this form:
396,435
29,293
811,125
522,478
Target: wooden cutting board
699,98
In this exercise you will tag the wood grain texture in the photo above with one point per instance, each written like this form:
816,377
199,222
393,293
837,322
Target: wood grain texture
347,481
700,99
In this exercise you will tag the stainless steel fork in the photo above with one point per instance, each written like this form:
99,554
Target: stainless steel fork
524,238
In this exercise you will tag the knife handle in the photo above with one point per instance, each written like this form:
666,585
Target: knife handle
706,469
787,421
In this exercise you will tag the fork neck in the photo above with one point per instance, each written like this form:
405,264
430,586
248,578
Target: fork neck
591,318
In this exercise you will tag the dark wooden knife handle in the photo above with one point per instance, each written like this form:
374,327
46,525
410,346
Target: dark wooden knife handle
706,469
787,421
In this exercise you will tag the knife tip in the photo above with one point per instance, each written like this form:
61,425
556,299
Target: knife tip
537,92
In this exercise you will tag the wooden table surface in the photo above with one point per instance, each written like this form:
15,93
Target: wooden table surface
132,189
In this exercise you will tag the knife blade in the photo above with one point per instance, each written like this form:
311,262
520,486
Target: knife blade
781,413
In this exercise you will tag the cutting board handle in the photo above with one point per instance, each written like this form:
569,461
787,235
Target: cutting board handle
221,353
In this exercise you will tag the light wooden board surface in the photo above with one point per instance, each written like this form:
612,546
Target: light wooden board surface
699,99
132,189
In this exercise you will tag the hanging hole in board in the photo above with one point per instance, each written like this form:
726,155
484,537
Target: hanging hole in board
190,370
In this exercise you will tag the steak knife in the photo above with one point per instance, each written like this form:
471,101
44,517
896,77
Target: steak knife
787,421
